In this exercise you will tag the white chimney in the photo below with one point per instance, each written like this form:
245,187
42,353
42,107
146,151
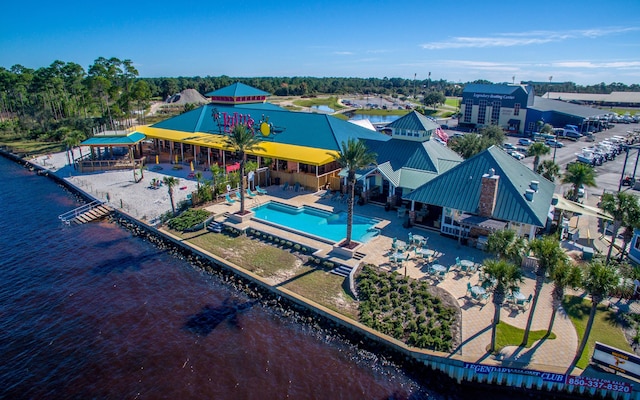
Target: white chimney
529,194
534,185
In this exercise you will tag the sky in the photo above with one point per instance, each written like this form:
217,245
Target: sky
586,42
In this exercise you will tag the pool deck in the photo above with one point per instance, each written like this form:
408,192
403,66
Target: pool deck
549,355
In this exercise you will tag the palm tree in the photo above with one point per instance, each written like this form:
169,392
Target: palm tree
198,176
579,174
353,155
632,223
621,206
536,150
600,281
549,254
241,140
549,170
506,245
171,182
564,275
504,276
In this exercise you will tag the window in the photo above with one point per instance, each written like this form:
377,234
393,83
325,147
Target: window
468,107
482,112
495,112
637,243
516,109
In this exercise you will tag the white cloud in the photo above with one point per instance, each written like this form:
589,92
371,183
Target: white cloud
522,38
343,53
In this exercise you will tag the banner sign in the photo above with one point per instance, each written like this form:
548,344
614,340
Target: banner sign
617,360
602,384
545,376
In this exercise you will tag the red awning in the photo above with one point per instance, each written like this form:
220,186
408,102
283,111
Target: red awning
233,167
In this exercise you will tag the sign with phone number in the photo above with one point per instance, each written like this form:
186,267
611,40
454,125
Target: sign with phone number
616,386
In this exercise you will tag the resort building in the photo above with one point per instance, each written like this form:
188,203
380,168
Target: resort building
490,191
300,148
517,110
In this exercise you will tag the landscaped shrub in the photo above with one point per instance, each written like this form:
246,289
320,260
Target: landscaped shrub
188,219
404,309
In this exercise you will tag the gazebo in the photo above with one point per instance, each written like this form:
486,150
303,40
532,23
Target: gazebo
112,150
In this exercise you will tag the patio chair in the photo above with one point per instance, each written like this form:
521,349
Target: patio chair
260,190
250,193
296,187
326,194
285,186
335,196
229,199
469,288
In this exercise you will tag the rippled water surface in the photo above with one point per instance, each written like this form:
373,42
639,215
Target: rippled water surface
92,312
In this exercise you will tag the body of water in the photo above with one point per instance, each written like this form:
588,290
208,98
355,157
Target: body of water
92,311
375,119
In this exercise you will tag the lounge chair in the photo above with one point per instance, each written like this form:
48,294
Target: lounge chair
336,196
250,193
326,194
285,186
229,199
260,190
296,187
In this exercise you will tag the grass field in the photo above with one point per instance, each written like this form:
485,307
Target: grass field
605,327
508,335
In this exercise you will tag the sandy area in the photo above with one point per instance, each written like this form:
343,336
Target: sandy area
119,189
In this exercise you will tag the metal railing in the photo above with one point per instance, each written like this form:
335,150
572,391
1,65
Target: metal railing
70,215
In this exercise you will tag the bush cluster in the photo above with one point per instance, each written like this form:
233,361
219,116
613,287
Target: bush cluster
404,309
188,219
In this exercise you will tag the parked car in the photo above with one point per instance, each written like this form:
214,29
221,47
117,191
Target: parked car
517,155
508,146
553,143
525,142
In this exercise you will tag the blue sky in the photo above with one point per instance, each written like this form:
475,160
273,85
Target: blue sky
585,42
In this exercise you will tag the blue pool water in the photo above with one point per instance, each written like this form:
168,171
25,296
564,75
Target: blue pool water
312,221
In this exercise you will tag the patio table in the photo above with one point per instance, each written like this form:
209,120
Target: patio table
425,252
518,296
438,268
478,291
397,256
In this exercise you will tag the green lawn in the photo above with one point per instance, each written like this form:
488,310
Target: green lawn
508,335
452,101
331,102
605,327
324,288
31,147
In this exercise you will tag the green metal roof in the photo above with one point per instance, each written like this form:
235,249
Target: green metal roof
459,188
238,90
296,128
114,140
414,121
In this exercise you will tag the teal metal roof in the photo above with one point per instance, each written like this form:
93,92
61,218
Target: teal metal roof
459,188
414,121
410,164
296,128
114,140
238,90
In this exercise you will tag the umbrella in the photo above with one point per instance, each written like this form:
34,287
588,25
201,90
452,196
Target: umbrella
176,158
191,165
157,160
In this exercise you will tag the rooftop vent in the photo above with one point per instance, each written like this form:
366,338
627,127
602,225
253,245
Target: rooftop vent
534,185
529,194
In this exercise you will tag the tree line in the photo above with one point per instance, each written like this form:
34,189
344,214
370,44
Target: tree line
46,102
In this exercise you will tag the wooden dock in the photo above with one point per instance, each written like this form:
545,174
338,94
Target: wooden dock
93,214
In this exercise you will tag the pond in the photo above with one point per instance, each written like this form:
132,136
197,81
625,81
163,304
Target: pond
323,108
375,119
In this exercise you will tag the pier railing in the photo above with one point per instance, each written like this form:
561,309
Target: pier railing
70,215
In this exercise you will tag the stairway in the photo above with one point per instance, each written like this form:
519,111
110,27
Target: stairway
342,270
215,226
92,214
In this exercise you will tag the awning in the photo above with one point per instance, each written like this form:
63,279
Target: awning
482,222
114,140
578,208
280,151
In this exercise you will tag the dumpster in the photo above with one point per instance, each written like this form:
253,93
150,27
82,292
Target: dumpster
587,253
276,181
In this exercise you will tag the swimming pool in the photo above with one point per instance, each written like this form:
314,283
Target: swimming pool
314,222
